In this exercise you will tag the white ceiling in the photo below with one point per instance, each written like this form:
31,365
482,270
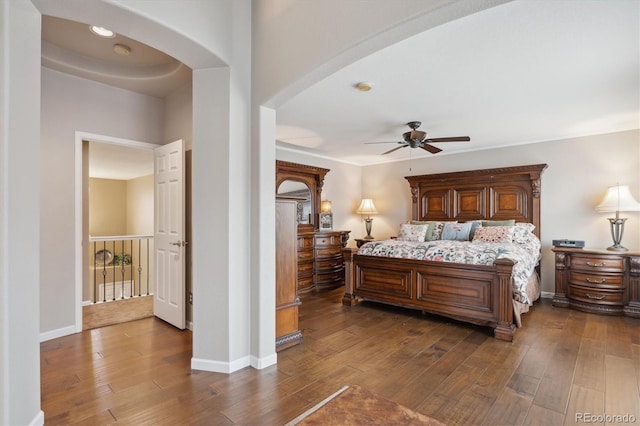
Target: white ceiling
70,47
522,72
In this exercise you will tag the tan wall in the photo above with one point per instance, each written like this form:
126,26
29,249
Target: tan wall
139,194
107,207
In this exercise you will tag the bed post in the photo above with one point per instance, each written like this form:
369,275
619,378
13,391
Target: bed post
505,329
349,299
415,193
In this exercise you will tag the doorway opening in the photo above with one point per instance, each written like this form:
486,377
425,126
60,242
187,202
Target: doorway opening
117,231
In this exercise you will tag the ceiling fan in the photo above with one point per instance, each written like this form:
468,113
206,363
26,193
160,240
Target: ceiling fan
417,139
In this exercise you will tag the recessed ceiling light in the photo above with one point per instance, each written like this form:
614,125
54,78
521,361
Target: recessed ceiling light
102,32
122,49
364,87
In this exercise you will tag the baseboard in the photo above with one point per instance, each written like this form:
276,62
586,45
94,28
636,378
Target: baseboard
218,366
54,334
547,295
260,363
38,420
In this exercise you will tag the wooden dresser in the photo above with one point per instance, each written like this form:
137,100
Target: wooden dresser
598,281
305,262
320,264
287,300
328,266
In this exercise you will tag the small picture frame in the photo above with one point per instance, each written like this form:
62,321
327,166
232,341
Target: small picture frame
326,221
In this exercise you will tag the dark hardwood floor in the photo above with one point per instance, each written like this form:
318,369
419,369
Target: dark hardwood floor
562,363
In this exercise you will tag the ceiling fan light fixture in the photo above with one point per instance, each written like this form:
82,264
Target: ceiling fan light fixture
101,31
364,86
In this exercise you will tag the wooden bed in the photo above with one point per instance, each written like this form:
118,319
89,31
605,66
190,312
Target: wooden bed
478,294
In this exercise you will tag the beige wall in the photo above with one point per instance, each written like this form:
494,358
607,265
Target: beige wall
139,193
107,207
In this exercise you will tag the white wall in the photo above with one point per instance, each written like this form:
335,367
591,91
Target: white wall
71,104
342,186
579,172
19,213
178,116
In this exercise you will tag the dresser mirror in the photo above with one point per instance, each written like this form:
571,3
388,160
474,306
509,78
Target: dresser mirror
304,182
299,191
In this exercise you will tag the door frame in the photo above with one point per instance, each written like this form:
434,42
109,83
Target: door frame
78,206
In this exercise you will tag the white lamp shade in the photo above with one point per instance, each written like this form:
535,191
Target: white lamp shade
618,199
367,207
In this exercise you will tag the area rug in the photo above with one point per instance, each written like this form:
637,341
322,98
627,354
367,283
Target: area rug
353,405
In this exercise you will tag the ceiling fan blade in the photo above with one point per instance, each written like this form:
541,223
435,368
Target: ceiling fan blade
451,139
394,149
371,143
432,149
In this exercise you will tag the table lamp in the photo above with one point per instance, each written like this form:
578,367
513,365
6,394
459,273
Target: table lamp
618,199
367,207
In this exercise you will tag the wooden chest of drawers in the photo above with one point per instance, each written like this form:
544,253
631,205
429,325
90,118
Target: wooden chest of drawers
328,263
320,264
598,281
305,262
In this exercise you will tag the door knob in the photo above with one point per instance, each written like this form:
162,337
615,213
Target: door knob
180,243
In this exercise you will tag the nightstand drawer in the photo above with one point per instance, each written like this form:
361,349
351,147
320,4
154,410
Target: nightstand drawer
332,252
597,263
327,240
305,243
599,296
599,280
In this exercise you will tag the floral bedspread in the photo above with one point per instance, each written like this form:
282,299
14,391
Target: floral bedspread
526,256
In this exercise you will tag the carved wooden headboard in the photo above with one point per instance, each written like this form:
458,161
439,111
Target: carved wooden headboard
490,194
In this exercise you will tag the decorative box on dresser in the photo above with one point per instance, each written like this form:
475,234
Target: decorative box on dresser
598,281
287,300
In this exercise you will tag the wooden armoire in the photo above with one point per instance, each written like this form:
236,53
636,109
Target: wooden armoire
287,300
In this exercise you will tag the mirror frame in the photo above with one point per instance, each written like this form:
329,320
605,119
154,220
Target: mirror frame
311,176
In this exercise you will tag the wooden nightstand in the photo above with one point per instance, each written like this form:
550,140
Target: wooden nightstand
361,241
598,281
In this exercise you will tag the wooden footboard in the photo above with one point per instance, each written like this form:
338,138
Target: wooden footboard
477,294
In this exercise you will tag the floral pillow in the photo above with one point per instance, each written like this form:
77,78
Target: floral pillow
410,232
494,234
523,233
431,227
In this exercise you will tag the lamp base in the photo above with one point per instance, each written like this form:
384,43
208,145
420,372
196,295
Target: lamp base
617,230
617,247
367,224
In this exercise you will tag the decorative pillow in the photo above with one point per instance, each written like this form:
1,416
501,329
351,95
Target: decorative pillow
522,233
494,234
528,226
508,222
475,224
456,231
431,226
409,232
437,230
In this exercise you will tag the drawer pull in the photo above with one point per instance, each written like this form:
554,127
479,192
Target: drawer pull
596,265
594,297
600,281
